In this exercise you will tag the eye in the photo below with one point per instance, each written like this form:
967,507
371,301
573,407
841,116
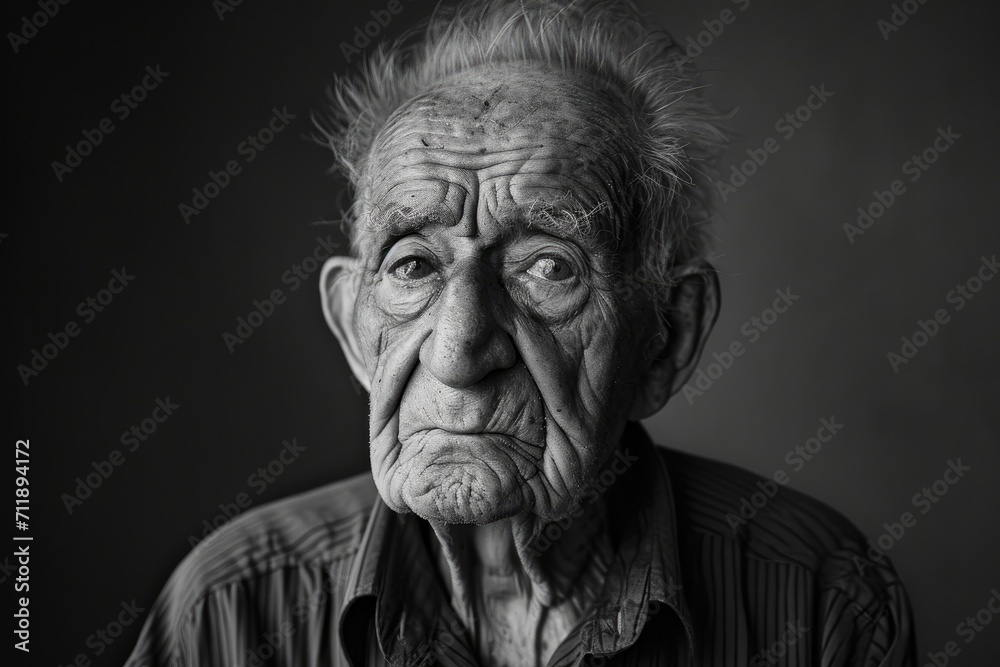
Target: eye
551,268
411,268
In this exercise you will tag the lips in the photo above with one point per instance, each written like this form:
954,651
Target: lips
528,450
446,444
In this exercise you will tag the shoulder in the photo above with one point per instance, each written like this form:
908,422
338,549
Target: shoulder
768,518
767,533
321,524
279,550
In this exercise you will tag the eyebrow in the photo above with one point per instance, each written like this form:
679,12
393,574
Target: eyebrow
562,219
398,219
556,220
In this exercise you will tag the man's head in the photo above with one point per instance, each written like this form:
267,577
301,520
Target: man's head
527,272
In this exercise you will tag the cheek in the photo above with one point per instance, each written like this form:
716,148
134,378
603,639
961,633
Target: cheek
391,347
588,398
383,316
594,353
370,325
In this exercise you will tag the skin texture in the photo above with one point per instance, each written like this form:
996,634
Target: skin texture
486,314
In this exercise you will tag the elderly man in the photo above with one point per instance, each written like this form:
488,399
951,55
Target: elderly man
527,282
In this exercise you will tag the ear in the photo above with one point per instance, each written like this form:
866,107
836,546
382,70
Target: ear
689,316
338,284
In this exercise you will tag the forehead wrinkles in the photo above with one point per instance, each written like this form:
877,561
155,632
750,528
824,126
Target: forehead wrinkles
532,137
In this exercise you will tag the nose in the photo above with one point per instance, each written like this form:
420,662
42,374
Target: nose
467,342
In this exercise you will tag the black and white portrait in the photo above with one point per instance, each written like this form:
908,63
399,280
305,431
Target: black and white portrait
508,333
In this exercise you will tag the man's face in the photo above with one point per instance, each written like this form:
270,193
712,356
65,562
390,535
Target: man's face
503,357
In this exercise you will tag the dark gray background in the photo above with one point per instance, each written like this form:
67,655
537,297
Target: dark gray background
162,336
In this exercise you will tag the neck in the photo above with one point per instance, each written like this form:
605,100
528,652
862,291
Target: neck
511,572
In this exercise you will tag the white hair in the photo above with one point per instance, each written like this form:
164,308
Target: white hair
677,138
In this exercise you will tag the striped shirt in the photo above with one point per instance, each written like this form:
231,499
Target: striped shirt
333,577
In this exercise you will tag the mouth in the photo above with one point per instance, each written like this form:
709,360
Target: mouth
459,444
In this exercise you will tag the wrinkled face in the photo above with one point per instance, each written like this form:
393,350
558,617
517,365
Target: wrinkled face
503,357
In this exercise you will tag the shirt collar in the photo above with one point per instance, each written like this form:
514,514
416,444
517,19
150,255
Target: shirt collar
394,576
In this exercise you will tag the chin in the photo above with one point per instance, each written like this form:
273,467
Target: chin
459,506
472,492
